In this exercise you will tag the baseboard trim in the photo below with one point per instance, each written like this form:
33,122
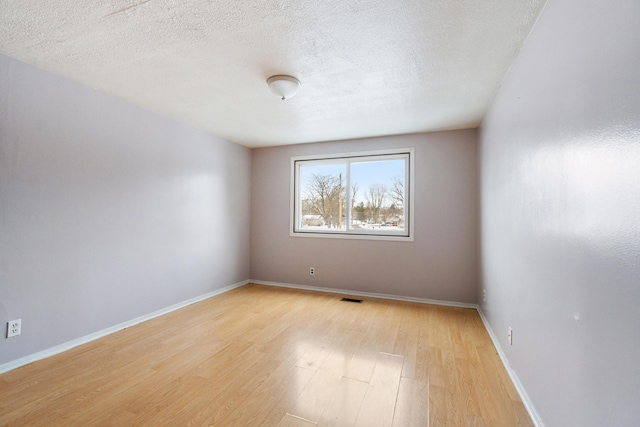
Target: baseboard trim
365,294
6,367
528,404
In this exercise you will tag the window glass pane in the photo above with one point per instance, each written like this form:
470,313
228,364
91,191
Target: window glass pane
378,194
353,195
322,196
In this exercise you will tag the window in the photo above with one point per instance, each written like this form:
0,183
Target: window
356,195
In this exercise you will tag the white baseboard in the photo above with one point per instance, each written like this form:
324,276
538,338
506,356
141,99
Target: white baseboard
366,294
535,417
104,332
91,337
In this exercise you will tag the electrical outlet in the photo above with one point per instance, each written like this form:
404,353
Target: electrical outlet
13,327
510,335
484,295
312,271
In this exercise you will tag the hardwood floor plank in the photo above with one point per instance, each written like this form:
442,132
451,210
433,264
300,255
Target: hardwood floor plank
276,381
438,407
342,410
275,398
316,396
407,340
362,363
379,402
412,405
314,356
454,398
293,421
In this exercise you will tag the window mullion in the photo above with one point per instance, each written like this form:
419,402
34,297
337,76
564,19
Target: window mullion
348,197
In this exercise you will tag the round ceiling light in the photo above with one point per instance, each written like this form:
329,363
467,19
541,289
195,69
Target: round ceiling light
283,86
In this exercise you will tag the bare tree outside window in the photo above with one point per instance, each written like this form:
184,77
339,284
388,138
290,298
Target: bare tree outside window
324,197
375,200
397,190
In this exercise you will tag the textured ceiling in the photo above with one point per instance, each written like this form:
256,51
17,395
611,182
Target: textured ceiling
367,67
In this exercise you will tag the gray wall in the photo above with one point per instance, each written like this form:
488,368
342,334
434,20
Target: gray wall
108,211
440,264
560,190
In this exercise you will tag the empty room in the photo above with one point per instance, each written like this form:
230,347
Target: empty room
302,213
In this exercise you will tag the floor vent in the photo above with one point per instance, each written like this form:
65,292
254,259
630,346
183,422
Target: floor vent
351,300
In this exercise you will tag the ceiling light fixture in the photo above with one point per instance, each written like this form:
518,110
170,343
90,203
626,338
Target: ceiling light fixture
283,86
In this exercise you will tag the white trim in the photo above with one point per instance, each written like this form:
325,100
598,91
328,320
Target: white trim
354,236
366,294
528,404
6,367
329,156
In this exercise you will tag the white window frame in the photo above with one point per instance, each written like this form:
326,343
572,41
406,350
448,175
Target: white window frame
406,236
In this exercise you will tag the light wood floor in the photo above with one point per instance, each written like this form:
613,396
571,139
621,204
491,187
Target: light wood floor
263,356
